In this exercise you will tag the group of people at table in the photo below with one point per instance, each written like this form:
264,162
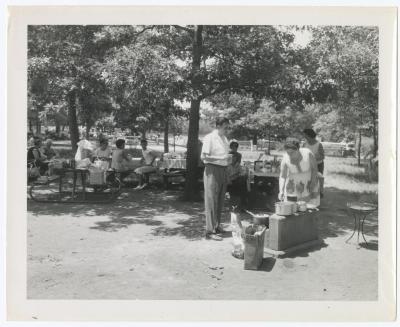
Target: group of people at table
300,168
120,159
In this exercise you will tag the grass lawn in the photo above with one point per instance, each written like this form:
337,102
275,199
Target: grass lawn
344,174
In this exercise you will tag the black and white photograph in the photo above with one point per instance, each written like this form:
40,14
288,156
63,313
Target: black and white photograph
203,162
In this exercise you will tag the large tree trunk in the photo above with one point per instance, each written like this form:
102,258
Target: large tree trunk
375,136
57,128
38,128
166,128
191,187
88,127
192,191
72,120
359,147
269,141
166,132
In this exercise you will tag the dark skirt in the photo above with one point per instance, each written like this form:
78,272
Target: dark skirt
320,167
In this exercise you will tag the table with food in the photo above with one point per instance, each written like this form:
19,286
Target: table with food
262,183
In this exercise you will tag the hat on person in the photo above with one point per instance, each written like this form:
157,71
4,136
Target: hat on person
310,132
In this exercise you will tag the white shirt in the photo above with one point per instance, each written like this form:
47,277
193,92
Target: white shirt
215,145
148,156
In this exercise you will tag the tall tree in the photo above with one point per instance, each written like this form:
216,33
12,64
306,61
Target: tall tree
71,57
144,85
217,59
347,59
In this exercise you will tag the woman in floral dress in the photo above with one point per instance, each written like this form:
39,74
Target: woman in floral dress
299,174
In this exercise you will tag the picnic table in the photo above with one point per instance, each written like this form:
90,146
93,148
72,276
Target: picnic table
173,163
106,192
263,187
172,168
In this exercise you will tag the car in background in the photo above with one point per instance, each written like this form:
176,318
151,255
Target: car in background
349,150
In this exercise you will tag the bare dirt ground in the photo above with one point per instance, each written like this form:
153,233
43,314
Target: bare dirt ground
150,245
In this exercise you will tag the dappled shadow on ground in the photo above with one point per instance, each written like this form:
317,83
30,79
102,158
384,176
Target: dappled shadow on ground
191,228
334,218
118,223
147,207
168,216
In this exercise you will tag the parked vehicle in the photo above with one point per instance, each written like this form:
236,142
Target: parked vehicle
131,140
349,150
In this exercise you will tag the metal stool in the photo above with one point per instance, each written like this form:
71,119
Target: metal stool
359,211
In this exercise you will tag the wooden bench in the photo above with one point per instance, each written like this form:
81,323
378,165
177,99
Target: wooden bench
46,181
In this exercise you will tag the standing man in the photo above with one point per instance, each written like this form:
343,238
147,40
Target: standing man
216,157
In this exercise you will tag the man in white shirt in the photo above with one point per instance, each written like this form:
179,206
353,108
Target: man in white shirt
216,157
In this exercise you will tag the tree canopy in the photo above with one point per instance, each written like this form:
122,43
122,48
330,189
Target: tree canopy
257,76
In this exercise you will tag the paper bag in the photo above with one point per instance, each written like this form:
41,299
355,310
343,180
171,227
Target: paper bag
96,176
253,247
